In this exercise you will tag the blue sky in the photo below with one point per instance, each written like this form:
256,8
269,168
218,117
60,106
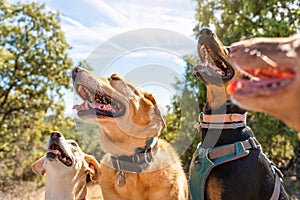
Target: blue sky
89,24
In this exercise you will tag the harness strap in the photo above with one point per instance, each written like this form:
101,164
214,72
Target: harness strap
234,125
205,159
222,151
221,121
276,190
221,118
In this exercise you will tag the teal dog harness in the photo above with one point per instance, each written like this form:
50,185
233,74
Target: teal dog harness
205,159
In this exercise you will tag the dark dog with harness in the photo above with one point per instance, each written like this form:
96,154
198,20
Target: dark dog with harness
229,162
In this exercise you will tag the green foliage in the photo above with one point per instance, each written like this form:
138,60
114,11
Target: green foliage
235,19
87,137
183,113
85,64
34,73
276,138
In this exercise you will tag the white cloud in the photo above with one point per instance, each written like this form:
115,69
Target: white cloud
89,23
180,62
123,16
110,12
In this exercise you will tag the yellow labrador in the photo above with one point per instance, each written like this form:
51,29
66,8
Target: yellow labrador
137,164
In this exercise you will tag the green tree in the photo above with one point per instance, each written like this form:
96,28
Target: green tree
236,19
34,74
233,20
183,113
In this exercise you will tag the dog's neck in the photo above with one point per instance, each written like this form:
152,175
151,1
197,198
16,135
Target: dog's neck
225,136
65,186
225,108
113,142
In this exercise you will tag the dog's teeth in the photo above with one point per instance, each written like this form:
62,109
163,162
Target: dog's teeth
239,85
254,79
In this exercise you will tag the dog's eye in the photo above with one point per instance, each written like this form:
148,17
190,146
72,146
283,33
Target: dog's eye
115,77
74,144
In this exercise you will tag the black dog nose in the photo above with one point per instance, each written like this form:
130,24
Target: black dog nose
75,72
55,135
206,32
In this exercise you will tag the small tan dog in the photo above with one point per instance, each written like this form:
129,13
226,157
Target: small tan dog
137,165
66,167
275,63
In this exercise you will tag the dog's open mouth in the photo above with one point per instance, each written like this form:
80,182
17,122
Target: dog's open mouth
265,81
213,64
97,103
55,152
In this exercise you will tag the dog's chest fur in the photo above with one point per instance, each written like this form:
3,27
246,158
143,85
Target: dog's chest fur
150,183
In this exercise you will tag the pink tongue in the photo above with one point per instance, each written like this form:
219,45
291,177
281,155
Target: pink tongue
54,151
83,106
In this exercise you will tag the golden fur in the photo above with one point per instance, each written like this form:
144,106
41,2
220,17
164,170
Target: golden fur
122,135
214,188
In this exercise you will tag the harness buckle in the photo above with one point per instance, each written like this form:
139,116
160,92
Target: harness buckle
150,160
238,125
252,143
243,147
136,158
200,117
117,162
234,126
258,146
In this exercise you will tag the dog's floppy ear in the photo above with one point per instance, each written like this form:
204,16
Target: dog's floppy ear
38,166
151,98
93,168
